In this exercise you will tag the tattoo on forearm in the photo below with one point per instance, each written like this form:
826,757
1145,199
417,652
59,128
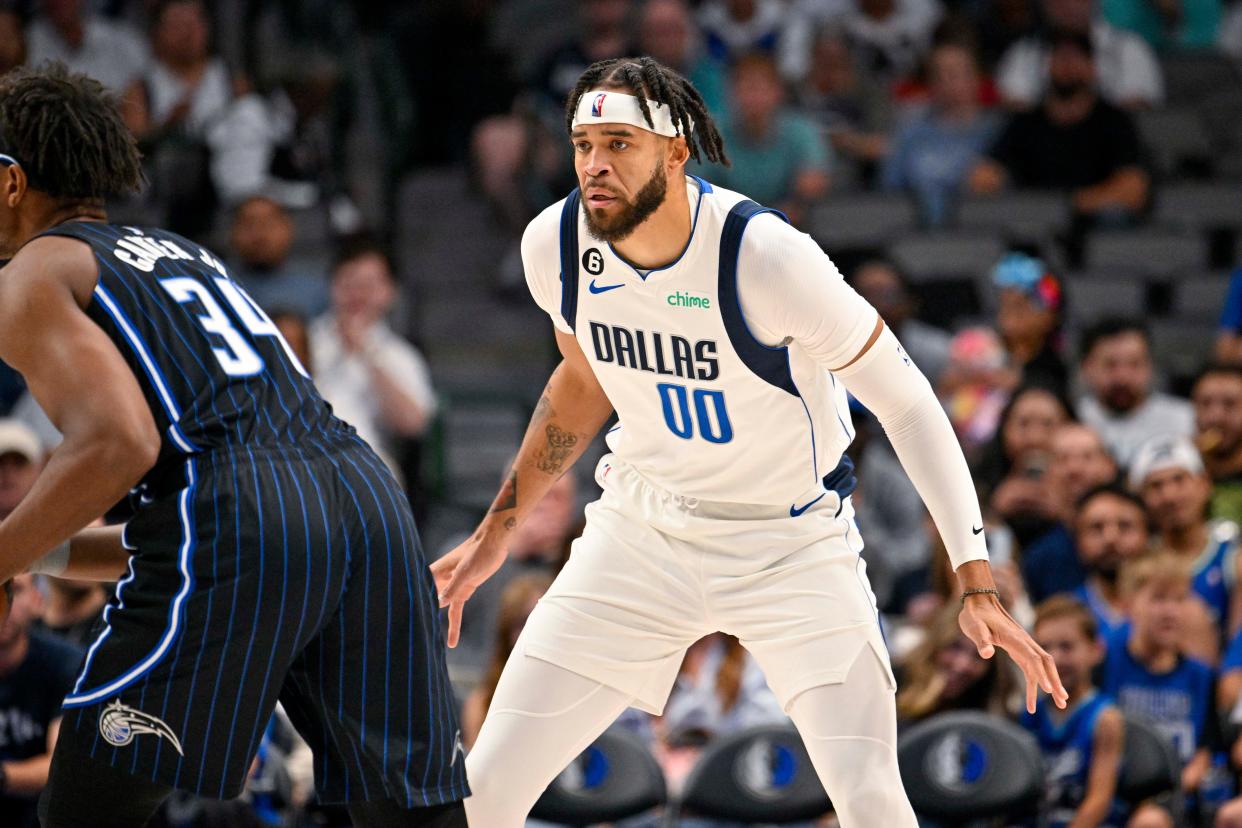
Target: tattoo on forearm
507,499
559,447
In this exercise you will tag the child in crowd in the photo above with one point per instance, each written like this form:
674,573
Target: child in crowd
1152,680
1082,743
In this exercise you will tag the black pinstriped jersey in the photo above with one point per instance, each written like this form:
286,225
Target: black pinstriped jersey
216,372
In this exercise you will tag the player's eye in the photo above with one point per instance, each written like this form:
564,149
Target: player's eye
620,145
582,146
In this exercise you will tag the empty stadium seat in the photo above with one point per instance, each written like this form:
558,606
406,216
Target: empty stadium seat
761,774
1091,298
1176,138
1190,77
965,766
615,778
1200,297
1181,347
1150,251
1020,215
1148,764
861,220
1200,206
947,256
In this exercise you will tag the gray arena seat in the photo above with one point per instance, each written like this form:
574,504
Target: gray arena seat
1181,347
1089,298
1200,298
934,257
1020,215
861,220
1150,251
966,766
1176,137
615,778
1205,206
758,775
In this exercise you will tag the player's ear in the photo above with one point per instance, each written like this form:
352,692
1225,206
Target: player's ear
678,152
13,184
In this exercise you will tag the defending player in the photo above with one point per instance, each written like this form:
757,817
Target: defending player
724,340
273,557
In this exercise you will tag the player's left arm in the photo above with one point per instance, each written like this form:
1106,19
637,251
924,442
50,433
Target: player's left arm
800,295
82,382
1106,747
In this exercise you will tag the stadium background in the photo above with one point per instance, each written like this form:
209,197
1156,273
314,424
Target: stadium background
301,140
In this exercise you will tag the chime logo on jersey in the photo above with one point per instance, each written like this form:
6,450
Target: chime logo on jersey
119,724
686,299
597,105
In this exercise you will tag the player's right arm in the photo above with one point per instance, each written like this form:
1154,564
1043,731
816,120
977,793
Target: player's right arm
1106,746
570,412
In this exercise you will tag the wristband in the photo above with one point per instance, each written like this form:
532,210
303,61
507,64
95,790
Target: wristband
54,563
970,592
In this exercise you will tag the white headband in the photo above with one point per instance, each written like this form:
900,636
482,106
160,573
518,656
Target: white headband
619,108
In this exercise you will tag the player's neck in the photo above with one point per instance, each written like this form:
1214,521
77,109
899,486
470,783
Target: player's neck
1151,655
44,212
661,239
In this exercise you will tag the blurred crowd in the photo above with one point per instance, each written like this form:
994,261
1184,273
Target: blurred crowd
1107,453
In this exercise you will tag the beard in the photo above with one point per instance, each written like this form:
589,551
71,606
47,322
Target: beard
632,213
1120,399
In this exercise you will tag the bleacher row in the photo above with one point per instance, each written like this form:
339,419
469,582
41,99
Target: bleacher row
958,768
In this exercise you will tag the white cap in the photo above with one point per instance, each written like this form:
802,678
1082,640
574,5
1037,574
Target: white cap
1160,453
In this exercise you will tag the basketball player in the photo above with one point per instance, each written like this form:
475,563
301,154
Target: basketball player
725,341
271,556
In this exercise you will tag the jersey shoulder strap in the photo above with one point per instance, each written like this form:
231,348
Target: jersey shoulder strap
770,364
569,258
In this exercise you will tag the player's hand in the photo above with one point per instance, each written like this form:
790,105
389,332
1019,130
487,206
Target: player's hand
459,573
988,625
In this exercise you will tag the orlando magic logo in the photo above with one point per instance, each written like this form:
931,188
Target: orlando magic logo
119,724
597,105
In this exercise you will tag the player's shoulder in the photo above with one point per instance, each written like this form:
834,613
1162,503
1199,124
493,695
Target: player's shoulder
769,237
51,261
542,237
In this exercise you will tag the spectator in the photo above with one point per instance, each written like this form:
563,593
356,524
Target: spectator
293,327
1167,24
1015,465
719,690
1082,744
517,602
262,241
778,156
12,41
1074,140
602,34
946,672
881,283
1217,398
1001,24
1078,463
1229,702
1128,73
374,379
1028,317
932,155
1110,529
976,386
87,43
1169,475
21,459
1229,337
36,672
71,610
851,105
734,29
1152,679
890,37
1230,39
666,32
171,107
1116,368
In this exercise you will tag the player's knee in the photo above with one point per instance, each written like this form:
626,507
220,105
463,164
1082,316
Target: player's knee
1230,814
1151,816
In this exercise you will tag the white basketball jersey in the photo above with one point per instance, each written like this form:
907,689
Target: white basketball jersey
705,410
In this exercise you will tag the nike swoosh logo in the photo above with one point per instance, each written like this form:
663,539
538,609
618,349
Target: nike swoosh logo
594,288
976,531
794,511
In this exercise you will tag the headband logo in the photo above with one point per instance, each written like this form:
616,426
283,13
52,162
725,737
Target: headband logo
597,106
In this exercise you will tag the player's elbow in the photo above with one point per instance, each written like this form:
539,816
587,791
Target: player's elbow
132,450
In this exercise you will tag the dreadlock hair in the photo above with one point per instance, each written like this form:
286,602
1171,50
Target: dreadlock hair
65,132
645,78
